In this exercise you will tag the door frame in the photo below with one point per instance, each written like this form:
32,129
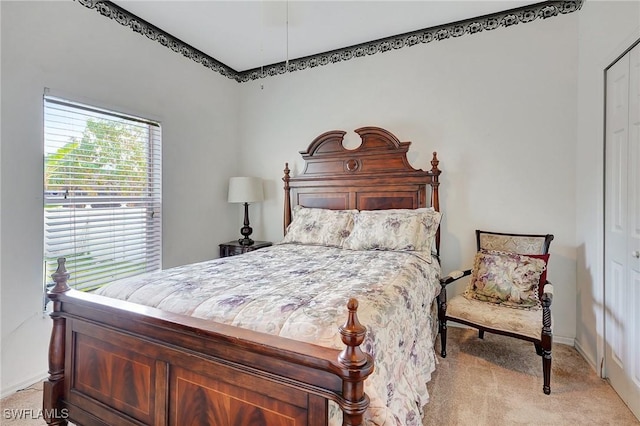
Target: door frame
607,62
603,339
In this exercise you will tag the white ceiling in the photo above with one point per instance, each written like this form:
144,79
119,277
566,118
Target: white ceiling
249,34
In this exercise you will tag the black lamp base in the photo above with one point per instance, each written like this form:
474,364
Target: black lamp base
246,230
245,241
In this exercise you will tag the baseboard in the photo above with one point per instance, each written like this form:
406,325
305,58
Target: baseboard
586,357
24,384
571,341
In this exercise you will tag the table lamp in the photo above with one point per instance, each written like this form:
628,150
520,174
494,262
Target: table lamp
245,190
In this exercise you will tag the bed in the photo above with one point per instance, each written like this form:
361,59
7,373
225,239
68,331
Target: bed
133,355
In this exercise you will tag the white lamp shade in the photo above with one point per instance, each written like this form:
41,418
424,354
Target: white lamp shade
245,190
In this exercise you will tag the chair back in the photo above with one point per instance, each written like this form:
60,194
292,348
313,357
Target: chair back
527,244
514,243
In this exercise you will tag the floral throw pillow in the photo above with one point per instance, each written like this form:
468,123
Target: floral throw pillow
319,226
506,279
397,229
543,276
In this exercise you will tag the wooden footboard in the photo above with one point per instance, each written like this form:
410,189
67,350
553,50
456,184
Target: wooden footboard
113,362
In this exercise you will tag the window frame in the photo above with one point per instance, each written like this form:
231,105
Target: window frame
121,234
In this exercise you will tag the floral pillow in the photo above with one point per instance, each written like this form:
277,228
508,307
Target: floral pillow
543,276
397,229
319,226
507,279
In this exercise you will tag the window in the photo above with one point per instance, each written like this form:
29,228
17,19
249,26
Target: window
102,193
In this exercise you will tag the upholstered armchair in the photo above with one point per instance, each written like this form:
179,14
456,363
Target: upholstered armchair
507,294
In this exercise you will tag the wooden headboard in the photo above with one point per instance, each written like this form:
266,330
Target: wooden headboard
374,176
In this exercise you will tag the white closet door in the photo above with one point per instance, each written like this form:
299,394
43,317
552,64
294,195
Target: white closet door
622,227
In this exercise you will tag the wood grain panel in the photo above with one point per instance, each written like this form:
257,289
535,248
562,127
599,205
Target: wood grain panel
325,166
373,165
330,200
388,200
205,401
121,379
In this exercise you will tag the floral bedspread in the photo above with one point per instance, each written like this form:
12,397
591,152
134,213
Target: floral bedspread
301,292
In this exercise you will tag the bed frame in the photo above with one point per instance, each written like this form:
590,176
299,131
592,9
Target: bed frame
114,362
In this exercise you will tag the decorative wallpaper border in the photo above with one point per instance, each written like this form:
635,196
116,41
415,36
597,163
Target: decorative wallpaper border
545,9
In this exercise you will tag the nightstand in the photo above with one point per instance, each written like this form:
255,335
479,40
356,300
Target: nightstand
234,247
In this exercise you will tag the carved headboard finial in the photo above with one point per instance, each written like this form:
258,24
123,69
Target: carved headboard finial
434,163
60,276
352,336
287,197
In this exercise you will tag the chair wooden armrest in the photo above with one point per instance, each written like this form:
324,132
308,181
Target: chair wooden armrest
442,296
442,300
548,290
545,301
454,276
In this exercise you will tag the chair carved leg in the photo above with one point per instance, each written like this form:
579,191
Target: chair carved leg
443,339
546,371
442,319
546,342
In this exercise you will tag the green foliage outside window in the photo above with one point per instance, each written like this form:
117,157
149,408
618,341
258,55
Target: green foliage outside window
110,159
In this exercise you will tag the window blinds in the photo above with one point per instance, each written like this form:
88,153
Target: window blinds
102,193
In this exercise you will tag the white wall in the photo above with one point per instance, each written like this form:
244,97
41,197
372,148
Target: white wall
499,107
77,52
607,29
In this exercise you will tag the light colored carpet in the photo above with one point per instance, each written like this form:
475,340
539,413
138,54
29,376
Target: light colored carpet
495,381
23,408
498,381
